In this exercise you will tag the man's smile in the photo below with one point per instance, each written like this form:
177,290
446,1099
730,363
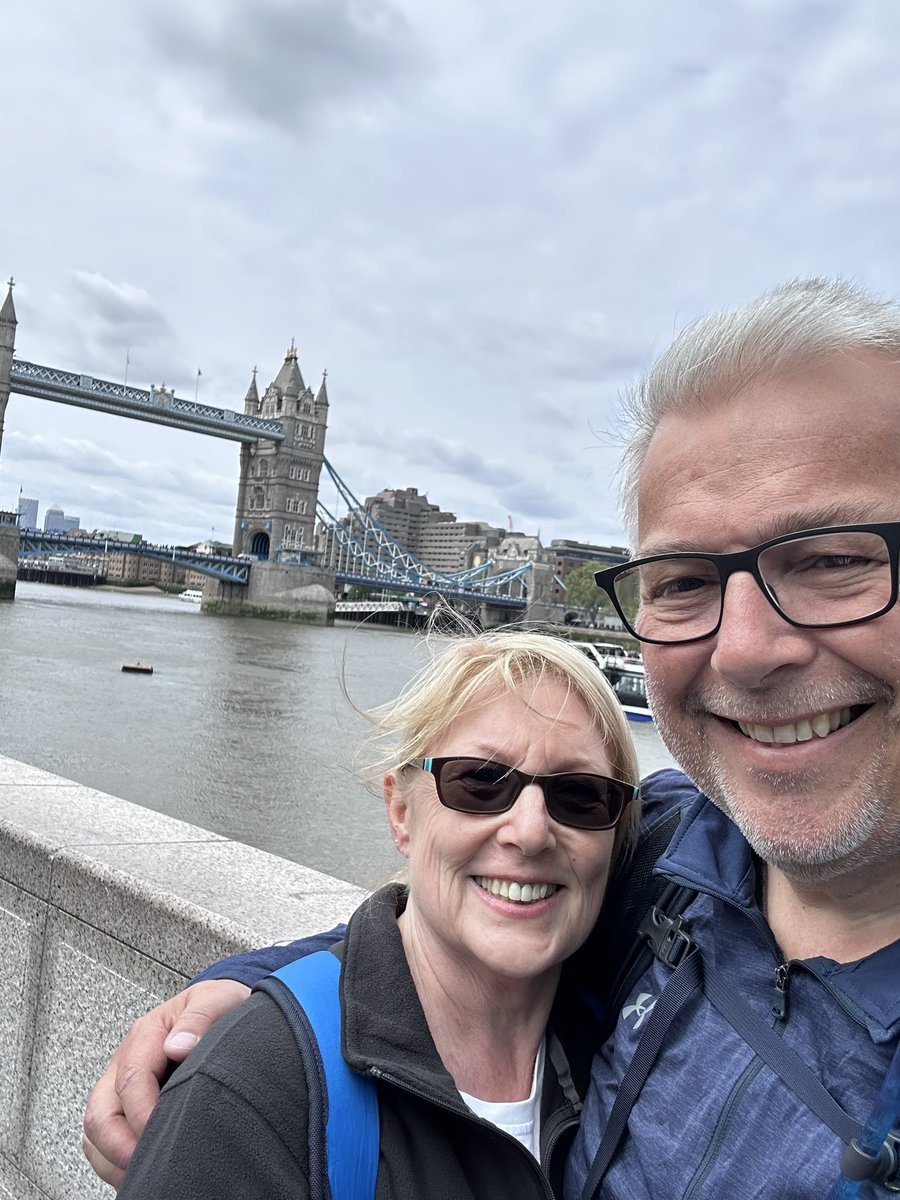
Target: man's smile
804,730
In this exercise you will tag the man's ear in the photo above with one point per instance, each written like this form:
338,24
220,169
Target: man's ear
395,803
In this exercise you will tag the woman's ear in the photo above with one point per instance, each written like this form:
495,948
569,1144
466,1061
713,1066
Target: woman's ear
397,807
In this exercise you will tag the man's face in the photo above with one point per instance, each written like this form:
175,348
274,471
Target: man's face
819,447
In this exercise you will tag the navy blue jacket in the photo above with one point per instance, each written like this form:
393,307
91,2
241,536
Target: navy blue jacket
712,1121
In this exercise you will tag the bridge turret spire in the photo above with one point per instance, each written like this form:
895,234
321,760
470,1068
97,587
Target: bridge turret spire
322,394
289,381
8,311
251,400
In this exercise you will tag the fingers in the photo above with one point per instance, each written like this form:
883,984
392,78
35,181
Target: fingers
127,1092
123,1099
107,1171
206,1003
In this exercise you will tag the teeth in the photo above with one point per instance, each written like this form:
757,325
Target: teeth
802,731
520,893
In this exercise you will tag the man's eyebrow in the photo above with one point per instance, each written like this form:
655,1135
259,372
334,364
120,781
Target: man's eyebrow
842,512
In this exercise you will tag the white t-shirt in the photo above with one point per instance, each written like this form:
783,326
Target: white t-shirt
520,1118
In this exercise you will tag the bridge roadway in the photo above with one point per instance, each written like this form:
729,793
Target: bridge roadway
220,566
159,406
435,588
237,570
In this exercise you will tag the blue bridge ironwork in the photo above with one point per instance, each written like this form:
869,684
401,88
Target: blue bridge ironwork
159,406
362,551
221,566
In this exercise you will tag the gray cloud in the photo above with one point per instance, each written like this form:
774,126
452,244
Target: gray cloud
487,217
279,61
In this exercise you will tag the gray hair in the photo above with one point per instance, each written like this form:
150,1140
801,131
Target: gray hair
719,355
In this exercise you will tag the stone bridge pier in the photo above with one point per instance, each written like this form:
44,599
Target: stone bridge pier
278,591
9,555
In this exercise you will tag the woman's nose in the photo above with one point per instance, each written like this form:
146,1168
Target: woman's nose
527,825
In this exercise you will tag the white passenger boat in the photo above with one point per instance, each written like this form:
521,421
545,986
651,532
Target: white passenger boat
192,595
626,674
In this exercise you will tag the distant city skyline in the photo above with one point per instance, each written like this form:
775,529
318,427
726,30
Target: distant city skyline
57,519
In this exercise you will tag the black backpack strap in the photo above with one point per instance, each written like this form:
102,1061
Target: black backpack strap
785,1062
633,935
680,986
690,974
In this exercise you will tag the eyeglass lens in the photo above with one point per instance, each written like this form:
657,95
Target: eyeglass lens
826,579
472,785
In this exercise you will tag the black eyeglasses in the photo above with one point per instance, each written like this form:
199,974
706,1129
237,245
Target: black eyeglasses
473,785
815,579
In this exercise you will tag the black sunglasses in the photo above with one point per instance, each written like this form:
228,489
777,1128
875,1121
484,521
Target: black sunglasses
474,785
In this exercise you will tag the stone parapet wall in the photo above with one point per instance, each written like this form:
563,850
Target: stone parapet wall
105,909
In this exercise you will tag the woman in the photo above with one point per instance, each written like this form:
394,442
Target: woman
510,789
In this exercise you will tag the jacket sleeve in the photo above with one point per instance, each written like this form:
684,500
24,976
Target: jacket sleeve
664,791
253,965
232,1123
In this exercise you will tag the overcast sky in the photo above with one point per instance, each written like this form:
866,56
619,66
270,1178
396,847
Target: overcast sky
483,217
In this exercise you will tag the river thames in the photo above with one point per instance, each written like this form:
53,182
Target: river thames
243,727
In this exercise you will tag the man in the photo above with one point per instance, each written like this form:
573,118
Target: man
773,672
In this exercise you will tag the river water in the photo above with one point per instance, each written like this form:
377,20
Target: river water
243,728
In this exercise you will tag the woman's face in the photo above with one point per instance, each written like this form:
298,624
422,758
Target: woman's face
454,857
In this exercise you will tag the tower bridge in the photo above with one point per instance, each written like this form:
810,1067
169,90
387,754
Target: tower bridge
289,549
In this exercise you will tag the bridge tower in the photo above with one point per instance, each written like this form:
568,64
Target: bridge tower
8,324
279,481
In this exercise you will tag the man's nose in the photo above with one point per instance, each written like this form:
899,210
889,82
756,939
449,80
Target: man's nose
754,639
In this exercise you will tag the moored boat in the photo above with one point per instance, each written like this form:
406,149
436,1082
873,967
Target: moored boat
625,673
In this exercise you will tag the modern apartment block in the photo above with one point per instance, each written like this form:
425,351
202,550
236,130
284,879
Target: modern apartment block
432,534
566,555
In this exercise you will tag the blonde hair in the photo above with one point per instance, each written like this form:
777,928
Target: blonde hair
469,671
716,357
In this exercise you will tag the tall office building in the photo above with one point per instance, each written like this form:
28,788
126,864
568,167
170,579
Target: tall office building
28,513
54,520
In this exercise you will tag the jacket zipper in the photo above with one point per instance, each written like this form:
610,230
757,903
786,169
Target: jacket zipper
377,1073
783,965
780,999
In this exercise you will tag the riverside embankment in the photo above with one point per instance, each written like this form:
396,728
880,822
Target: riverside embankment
106,908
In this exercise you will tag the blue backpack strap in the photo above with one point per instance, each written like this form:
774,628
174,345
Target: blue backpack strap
349,1102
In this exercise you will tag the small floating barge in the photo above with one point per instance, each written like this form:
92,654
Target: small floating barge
137,668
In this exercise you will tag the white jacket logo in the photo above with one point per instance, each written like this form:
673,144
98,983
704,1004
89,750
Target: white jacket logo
639,1009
